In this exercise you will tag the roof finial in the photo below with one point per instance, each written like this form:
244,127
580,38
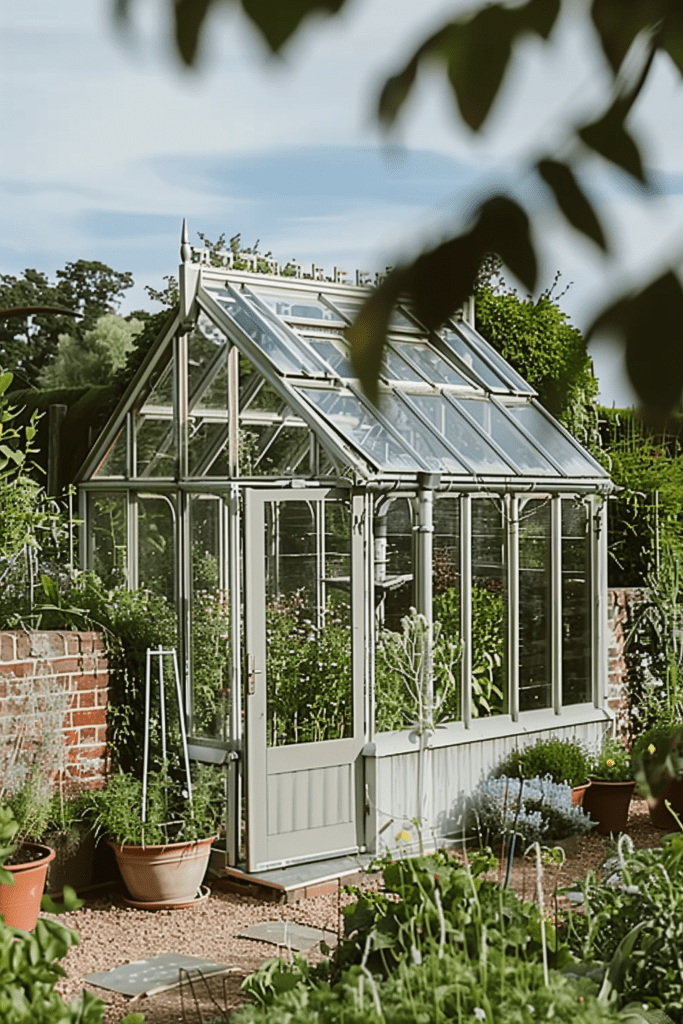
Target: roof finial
185,247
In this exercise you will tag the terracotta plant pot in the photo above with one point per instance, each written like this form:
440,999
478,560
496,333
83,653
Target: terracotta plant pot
578,794
20,903
608,803
164,874
660,816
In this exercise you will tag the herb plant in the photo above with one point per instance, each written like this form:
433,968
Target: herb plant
562,760
535,810
116,810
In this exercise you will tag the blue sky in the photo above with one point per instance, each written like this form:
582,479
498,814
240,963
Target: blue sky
107,144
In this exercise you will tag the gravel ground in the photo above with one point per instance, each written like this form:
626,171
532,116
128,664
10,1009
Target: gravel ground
112,933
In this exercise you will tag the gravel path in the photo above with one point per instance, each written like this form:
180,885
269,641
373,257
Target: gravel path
112,933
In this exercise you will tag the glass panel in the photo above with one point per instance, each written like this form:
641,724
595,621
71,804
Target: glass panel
207,446
489,608
449,422
270,338
345,412
155,441
156,545
334,353
107,535
503,368
552,440
255,391
207,359
209,622
393,528
308,621
274,450
114,462
535,669
577,639
468,354
394,367
433,365
446,588
495,423
294,305
352,307
418,436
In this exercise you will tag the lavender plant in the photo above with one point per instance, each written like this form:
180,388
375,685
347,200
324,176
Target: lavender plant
537,810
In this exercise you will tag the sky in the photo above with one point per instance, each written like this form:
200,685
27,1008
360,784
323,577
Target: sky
107,144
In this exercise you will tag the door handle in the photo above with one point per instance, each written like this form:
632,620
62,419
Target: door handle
251,674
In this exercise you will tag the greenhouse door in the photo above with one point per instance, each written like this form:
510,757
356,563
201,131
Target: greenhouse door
304,594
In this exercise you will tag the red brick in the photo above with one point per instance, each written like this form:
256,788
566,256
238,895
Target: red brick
71,737
86,699
88,681
93,717
321,889
7,647
102,734
86,736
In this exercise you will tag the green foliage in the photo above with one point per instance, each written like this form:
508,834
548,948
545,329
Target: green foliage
645,517
657,757
133,620
437,943
93,357
537,340
29,344
401,676
489,622
171,817
647,896
612,763
210,639
562,760
308,668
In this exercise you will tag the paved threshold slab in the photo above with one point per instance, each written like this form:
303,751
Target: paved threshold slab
145,977
299,937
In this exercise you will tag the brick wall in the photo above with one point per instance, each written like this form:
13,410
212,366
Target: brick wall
56,684
620,602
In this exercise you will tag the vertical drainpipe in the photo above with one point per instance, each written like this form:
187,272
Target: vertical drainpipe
427,482
513,606
466,607
556,601
598,510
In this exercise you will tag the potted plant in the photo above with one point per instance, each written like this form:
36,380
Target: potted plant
69,833
608,796
658,758
562,760
162,855
25,867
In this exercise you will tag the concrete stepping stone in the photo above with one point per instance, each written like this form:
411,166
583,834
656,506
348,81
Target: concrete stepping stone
145,977
288,933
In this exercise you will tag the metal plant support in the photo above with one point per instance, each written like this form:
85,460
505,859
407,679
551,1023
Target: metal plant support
160,653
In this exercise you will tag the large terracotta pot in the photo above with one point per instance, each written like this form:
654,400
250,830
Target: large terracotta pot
20,903
578,793
608,803
660,816
164,875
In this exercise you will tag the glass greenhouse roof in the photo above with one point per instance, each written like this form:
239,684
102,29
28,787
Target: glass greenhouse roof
449,403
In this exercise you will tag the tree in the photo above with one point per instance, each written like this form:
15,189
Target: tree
93,357
536,338
28,344
473,52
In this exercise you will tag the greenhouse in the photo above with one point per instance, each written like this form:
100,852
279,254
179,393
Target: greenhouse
374,603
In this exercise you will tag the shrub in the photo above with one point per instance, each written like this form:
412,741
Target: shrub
562,760
536,810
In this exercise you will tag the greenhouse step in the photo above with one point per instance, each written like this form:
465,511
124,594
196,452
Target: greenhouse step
292,883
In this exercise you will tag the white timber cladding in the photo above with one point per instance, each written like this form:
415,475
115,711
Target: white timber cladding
248,399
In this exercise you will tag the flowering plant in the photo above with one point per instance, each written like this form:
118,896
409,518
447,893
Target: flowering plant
612,764
536,810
